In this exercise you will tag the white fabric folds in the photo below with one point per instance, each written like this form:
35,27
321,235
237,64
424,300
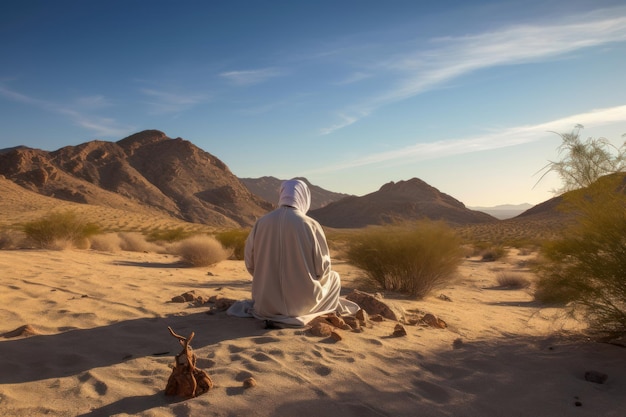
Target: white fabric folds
288,257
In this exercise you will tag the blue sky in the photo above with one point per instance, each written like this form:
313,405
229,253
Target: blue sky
350,94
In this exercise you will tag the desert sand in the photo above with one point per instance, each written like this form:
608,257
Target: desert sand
100,347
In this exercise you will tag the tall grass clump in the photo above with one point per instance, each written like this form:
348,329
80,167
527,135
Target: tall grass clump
60,230
201,250
586,267
410,258
235,240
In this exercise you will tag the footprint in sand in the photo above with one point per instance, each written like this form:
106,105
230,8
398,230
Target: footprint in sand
91,386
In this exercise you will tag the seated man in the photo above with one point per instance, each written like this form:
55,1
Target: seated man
287,255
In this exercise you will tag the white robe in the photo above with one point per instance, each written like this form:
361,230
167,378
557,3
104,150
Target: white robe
288,257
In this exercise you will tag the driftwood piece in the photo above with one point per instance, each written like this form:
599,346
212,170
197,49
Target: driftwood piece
186,380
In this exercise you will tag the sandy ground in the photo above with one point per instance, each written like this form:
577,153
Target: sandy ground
102,347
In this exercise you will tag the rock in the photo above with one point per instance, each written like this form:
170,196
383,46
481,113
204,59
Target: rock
433,321
321,328
444,297
178,299
362,316
377,317
375,305
335,334
249,383
595,376
399,331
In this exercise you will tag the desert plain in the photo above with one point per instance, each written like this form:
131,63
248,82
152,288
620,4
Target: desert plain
97,344
84,333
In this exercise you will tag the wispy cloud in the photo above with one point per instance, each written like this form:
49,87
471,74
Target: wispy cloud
493,140
344,121
251,77
101,126
167,102
354,78
419,71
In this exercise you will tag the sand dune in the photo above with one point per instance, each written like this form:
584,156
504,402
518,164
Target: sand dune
102,347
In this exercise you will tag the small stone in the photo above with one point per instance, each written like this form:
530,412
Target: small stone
249,383
434,321
376,317
399,331
578,404
595,376
335,334
321,329
444,297
178,299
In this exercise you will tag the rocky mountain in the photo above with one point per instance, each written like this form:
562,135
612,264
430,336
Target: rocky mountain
147,169
269,187
405,200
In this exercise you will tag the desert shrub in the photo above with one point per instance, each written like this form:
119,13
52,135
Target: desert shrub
108,242
409,258
11,239
586,267
136,242
512,281
201,250
493,253
60,230
235,240
170,235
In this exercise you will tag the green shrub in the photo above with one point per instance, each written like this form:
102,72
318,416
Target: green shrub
201,250
586,267
409,258
235,240
60,229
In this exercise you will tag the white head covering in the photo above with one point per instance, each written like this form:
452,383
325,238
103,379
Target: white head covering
295,193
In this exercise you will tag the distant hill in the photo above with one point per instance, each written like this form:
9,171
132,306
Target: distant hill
504,211
147,169
268,188
405,200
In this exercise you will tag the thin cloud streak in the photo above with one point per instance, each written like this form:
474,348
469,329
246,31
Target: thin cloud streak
106,127
453,57
251,77
166,102
493,140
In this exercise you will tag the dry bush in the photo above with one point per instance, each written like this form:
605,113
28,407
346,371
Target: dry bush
136,242
585,268
235,240
201,250
11,239
512,281
60,230
169,235
493,254
108,242
409,258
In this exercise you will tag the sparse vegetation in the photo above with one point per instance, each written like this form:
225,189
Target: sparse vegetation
201,250
512,281
583,163
60,230
493,253
234,240
168,235
409,258
585,267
